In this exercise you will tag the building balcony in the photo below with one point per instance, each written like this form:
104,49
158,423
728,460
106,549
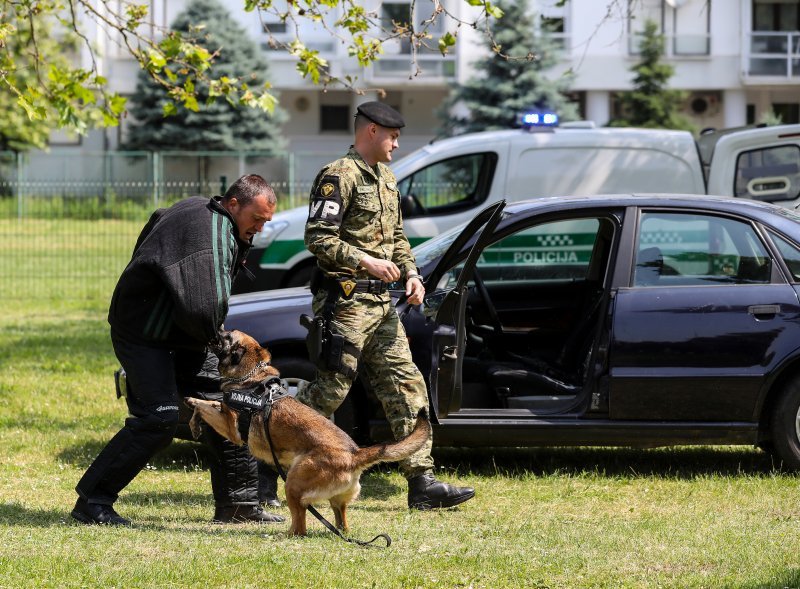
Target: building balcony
772,58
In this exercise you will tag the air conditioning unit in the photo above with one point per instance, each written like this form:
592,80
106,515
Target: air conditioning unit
704,104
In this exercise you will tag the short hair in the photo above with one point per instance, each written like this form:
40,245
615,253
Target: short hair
360,122
249,187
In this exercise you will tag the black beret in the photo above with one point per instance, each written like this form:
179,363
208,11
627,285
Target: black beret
381,114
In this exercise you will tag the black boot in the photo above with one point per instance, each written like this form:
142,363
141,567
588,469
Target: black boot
268,486
425,492
234,482
239,514
98,513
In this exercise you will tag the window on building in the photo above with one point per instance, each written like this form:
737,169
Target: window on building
397,15
788,112
274,28
335,117
774,15
685,25
553,19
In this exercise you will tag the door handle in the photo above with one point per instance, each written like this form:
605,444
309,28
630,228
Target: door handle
450,353
764,311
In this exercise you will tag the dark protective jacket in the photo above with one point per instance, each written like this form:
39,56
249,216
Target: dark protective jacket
175,290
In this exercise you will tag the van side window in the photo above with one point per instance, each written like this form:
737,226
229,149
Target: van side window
448,186
769,174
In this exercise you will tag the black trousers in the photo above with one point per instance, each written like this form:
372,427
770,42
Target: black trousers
156,379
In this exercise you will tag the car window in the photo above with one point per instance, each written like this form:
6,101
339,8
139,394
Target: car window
769,174
685,249
561,249
449,185
549,251
790,254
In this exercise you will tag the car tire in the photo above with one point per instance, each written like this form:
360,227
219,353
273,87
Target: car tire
785,427
300,372
296,372
300,277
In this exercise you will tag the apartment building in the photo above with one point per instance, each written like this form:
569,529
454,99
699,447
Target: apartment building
737,59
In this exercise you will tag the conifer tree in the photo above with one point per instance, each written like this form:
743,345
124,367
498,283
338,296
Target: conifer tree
651,103
503,88
215,124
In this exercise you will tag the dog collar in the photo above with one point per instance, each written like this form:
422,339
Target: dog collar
249,375
246,402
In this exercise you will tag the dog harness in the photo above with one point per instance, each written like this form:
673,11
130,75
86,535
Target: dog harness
246,402
261,397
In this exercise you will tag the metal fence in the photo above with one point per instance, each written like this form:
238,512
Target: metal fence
68,221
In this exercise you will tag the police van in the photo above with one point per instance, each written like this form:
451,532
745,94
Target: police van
448,181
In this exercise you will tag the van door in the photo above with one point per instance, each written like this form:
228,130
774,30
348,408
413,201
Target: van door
760,164
446,306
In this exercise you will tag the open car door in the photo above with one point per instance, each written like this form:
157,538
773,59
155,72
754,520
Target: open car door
445,307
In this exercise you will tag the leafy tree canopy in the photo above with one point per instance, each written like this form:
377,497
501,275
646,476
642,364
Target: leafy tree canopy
209,124
68,95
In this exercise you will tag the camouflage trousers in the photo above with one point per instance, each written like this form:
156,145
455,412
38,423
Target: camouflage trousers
373,327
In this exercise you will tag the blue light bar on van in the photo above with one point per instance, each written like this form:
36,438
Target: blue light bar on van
539,119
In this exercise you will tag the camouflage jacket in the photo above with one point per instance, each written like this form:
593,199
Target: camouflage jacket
355,210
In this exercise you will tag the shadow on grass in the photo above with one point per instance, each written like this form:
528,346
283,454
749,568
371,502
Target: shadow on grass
179,455
17,514
668,463
685,462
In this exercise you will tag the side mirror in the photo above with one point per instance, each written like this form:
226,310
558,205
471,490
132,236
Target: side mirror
408,205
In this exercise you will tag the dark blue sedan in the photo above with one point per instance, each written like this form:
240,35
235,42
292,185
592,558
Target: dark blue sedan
607,320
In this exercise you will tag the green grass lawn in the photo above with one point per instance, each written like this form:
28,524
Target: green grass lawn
686,517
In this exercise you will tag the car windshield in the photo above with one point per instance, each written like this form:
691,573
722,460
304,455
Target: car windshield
433,248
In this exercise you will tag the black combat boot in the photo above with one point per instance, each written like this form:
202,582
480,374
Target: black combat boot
240,514
425,492
234,481
268,486
98,513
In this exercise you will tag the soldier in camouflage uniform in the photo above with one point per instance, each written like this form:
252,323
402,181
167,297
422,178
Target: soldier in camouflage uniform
355,230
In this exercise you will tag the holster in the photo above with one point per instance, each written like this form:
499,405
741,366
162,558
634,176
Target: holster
326,348
315,340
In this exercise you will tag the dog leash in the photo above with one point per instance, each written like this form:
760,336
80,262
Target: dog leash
311,508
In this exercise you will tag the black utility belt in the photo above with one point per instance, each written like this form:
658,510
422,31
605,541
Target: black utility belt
348,287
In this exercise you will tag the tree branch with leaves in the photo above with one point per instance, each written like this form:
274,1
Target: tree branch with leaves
51,85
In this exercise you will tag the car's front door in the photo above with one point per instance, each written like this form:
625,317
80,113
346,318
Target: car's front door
445,306
695,331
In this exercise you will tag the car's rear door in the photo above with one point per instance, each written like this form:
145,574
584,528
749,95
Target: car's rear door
696,331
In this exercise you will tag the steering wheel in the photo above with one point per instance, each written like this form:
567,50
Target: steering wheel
480,286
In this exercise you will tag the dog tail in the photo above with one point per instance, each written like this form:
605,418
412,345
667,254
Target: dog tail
394,451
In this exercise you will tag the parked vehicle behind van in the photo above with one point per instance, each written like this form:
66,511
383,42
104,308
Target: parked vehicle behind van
449,181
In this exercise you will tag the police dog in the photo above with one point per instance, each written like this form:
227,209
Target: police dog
321,461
